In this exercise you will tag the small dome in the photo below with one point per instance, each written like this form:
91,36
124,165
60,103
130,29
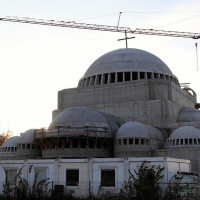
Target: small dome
185,132
80,117
11,142
129,59
139,130
188,114
27,137
185,136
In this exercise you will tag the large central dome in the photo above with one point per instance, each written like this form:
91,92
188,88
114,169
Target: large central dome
127,60
125,65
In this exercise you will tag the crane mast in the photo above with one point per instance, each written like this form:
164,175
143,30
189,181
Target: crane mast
73,24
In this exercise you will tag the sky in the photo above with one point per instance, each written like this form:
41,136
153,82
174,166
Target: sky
37,61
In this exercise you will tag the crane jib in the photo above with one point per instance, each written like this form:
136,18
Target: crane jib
73,24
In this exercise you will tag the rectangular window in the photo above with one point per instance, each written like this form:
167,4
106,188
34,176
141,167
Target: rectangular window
72,177
136,141
124,141
127,76
42,174
130,141
10,176
108,177
142,141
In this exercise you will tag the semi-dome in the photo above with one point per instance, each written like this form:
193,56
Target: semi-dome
126,65
80,117
188,114
27,136
183,137
139,130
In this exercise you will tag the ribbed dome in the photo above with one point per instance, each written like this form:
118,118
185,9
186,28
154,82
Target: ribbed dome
129,59
27,137
188,114
78,117
185,132
139,130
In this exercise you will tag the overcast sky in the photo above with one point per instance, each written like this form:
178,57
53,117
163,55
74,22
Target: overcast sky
38,61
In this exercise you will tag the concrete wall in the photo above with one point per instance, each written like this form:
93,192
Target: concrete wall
155,102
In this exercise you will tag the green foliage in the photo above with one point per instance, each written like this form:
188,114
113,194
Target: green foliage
22,190
145,183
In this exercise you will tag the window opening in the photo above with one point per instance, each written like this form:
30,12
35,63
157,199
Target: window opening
92,80
190,141
147,141
124,141
156,76
75,143
108,177
91,143
119,142
60,144
98,144
42,174
142,141
134,75
28,146
112,77
142,75
23,146
167,77
72,177
162,76
98,82
186,141
181,141
87,81
177,141
130,141
172,79
136,141
127,76
119,76
83,143
10,176
149,75
195,141
105,79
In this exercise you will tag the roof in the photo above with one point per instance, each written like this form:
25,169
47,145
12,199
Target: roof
139,130
81,117
128,59
187,114
27,136
185,132
11,142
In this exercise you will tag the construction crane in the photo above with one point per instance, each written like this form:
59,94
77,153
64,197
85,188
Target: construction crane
73,24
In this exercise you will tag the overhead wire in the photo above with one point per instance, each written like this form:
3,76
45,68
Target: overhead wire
177,21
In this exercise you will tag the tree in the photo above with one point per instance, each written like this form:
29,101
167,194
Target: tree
4,136
145,184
